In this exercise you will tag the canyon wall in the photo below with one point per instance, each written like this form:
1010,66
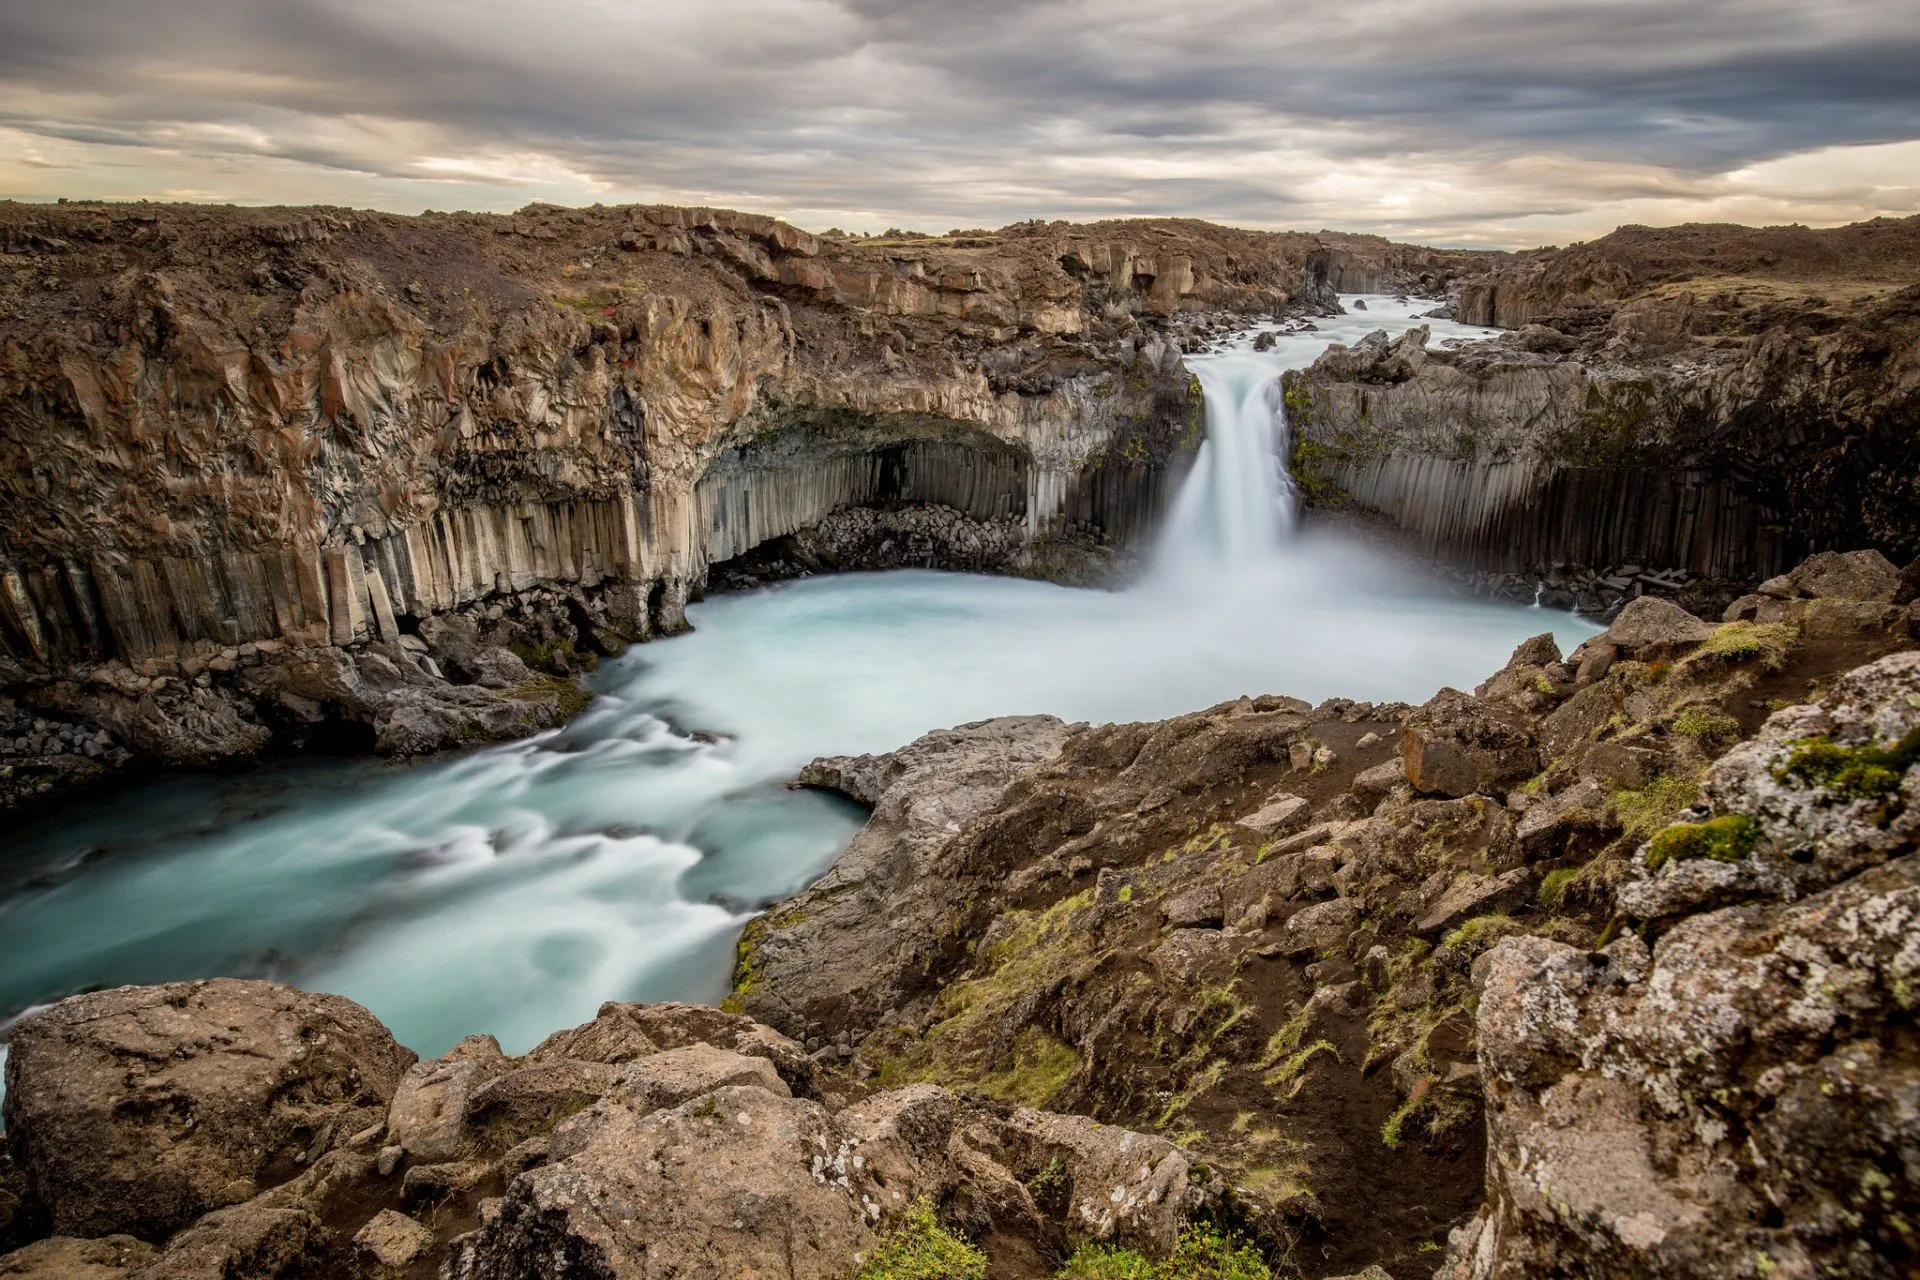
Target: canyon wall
219,426
1717,401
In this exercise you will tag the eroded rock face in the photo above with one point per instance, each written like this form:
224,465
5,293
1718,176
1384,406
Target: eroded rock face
881,903
1653,376
1742,1098
138,1109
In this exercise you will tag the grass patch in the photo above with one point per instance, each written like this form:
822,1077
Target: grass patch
1745,641
1480,931
1851,773
919,1248
1040,1065
1205,1252
1553,887
1703,724
1643,812
1724,839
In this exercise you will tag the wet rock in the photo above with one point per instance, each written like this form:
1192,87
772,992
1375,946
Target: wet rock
392,1239
138,1109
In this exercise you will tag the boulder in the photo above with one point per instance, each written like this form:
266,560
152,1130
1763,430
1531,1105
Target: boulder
516,1106
1474,895
736,1182
1742,1092
1848,575
1456,745
392,1239
247,1240
70,1258
138,1109
1324,926
427,1117
622,1033
1198,908
1282,814
1373,785
1650,627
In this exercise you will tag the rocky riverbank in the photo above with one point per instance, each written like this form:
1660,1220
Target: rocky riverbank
1604,968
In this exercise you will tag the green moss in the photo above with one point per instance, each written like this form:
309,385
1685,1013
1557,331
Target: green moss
919,1248
1851,773
1652,807
1553,887
570,697
1108,1262
1705,725
1724,839
1036,1069
1479,931
1746,641
1205,1252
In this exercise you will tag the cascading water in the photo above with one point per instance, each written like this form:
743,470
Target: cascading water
513,889
1237,503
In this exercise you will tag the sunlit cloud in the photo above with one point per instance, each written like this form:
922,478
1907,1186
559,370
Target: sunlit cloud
1496,122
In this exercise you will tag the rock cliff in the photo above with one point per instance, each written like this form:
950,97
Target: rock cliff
228,435
1717,401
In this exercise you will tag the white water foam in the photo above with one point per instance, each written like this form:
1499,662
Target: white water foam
513,889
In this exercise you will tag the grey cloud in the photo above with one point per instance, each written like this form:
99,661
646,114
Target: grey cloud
929,108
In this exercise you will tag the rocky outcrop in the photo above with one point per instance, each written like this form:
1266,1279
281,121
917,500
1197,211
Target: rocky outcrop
1714,401
1264,929
139,1109
1740,1097
672,1138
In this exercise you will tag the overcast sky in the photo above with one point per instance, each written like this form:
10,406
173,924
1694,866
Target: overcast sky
1469,122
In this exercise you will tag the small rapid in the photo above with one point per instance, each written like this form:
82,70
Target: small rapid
512,889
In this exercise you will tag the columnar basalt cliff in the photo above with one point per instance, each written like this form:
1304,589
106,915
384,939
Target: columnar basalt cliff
224,429
1713,400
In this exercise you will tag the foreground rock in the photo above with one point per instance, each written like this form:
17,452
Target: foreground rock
657,1139
1742,1098
1261,931
139,1109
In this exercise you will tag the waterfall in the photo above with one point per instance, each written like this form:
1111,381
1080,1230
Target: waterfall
1238,503
1237,507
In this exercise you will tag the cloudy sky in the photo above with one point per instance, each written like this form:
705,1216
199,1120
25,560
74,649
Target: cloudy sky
1505,122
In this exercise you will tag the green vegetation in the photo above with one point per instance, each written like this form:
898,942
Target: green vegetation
572,699
1553,887
1392,1131
1036,1069
1705,725
1478,932
1643,812
919,1248
1723,839
1205,1252
1745,641
1851,773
